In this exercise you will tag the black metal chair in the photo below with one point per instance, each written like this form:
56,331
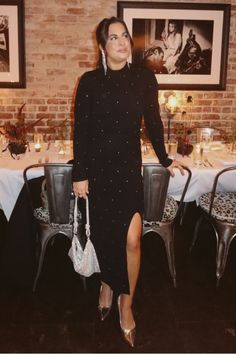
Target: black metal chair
57,217
219,208
161,211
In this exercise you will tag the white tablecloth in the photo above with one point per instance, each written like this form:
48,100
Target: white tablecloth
202,176
11,172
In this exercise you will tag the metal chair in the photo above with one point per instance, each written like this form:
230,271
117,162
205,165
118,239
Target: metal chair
219,208
57,218
161,211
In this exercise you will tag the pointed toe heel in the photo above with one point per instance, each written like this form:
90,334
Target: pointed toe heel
129,336
103,312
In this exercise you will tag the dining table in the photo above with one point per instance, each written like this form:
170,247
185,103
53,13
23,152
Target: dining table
12,167
214,158
17,256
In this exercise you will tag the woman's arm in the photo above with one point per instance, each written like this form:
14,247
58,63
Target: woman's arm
153,120
154,124
81,130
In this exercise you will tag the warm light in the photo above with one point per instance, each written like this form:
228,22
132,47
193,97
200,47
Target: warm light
61,151
171,106
37,147
38,139
172,103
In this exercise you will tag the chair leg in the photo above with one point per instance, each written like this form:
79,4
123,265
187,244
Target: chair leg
195,234
84,282
171,259
226,233
183,213
167,234
40,262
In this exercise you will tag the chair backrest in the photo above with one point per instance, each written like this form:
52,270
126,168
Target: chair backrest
156,181
58,184
214,187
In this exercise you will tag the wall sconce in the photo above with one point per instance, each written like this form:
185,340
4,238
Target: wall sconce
171,105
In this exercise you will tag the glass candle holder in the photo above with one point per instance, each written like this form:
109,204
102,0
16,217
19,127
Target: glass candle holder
38,142
198,155
172,149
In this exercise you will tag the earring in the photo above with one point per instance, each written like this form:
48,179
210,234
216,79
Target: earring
104,62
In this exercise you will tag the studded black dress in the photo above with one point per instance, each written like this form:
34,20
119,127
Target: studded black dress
108,113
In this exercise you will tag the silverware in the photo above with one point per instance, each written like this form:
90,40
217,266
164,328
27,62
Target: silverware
209,163
49,143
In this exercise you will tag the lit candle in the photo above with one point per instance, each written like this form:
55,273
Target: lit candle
37,147
61,151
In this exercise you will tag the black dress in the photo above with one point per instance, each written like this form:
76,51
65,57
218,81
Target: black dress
108,113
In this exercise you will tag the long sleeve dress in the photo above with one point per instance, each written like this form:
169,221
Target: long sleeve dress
107,152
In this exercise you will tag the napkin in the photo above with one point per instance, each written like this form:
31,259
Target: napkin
228,163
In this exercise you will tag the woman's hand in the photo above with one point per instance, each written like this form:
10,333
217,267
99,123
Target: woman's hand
81,189
175,164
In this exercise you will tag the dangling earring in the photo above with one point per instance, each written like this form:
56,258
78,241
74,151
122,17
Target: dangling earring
104,62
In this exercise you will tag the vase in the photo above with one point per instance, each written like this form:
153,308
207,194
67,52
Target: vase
185,149
16,147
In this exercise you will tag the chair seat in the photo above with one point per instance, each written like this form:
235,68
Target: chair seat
42,215
171,207
224,206
170,210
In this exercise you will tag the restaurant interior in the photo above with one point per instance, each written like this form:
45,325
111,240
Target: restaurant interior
185,297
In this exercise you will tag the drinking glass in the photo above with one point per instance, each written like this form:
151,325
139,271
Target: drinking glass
172,149
38,141
198,155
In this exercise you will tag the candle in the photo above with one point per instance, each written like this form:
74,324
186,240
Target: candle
37,147
61,151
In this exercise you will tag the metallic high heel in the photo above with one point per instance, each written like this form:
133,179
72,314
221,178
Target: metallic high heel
127,334
104,311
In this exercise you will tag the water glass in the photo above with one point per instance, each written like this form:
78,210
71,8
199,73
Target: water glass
198,155
172,149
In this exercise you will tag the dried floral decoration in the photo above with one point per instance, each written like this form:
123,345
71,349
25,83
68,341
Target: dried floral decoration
17,132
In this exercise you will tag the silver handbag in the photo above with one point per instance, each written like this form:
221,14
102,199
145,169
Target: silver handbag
84,259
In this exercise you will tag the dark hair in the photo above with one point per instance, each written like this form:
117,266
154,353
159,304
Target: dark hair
152,50
102,33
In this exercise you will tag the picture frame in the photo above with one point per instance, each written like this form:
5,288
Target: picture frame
12,44
184,44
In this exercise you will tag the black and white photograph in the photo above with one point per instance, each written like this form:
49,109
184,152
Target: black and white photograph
12,61
183,44
4,43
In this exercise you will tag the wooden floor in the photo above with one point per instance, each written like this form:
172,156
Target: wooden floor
61,317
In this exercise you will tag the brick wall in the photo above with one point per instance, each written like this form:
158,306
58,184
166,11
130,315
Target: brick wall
60,46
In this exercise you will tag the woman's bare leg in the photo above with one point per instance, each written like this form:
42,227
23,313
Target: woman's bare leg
133,264
105,296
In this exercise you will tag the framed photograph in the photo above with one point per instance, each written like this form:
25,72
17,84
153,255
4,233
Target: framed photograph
184,44
12,49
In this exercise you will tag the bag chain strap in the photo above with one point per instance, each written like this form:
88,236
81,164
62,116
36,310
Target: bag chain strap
87,225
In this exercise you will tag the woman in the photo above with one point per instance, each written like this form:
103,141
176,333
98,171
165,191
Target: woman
173,44
110,103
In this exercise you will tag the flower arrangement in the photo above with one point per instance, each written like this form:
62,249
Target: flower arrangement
17,132
183,131
183,138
